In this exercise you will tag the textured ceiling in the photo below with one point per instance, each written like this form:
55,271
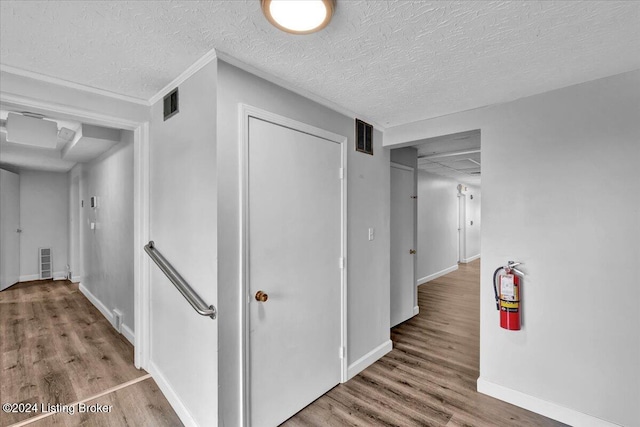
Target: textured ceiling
390,61
456,156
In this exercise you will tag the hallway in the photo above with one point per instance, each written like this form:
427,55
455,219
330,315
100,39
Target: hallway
56,348
429,378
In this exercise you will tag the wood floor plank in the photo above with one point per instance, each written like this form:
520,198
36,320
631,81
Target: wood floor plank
140,404
56,347
429,378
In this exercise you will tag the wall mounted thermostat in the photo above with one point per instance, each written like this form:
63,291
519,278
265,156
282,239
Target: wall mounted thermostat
94,202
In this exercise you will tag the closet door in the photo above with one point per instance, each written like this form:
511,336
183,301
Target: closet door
9,228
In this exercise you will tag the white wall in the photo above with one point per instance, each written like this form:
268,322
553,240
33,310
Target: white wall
437,226
44,210
183,198
107,250
368,206
559,172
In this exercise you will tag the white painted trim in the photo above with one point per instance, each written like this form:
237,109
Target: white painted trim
401,166
76,279
416,310
141,227
541,406
128,334
290,87
243,122
422,280
108,314
71,85
172,396
369,359
344,321
245,113
473,258
194,68
97,303
86,116
249,111
58,275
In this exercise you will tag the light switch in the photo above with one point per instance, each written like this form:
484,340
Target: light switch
93,225
372,233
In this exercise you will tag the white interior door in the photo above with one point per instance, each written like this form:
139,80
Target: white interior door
9,226
295,245
403,284
461,227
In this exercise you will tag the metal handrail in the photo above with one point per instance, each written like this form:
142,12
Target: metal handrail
190,295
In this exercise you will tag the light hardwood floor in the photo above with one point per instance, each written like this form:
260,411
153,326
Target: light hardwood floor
57,348
429,378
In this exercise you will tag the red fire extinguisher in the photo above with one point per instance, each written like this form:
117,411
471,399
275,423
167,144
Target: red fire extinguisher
506,287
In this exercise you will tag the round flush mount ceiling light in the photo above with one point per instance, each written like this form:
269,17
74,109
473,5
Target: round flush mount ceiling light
299,16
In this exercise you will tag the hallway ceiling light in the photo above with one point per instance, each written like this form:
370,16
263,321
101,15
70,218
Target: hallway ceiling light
299,16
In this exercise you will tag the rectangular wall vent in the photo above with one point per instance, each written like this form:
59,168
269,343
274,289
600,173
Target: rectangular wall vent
364,137
171,104
46,263
117,320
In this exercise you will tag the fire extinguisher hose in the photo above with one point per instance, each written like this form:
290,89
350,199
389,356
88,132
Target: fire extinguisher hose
495,286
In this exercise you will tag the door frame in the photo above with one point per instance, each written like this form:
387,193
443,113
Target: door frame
245,112
140,209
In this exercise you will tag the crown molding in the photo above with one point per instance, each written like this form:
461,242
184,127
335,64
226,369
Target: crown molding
193,68
77,86
51,107
302,92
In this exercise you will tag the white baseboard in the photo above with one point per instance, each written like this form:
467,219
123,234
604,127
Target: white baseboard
416,310
126,331
128,334
368,359
58,275
473,258
425,279
541,406
171,396
97,303
76,279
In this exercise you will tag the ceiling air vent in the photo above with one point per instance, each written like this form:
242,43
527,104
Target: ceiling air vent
171,104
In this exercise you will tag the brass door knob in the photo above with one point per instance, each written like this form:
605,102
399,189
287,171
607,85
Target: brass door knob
261,296
412,251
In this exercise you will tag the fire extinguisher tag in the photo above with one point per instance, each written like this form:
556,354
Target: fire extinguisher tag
506,287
